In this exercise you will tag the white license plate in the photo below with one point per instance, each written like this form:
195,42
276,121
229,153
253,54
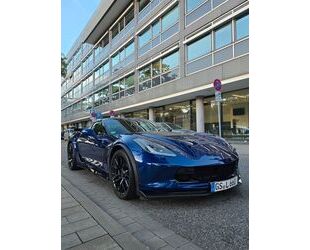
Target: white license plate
223,185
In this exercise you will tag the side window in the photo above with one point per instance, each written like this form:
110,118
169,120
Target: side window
99,129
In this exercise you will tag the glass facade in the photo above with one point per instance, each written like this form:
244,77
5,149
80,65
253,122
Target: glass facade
181,114
234,114
138,114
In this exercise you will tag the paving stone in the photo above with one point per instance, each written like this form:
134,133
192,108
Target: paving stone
162,232
175,240
77,226
105,242
91,233
127,241
167,248
134,227
78,216
71,210
119,215
143,235
69,204
155,243
189,246
70,240
64,220
126,221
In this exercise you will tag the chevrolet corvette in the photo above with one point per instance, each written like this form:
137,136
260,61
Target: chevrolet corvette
139,160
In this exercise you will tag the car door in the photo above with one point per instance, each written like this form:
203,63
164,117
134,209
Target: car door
100,147
85,144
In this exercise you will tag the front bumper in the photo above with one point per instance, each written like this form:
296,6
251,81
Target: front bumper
167,180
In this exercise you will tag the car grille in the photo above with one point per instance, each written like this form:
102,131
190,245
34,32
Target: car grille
206,173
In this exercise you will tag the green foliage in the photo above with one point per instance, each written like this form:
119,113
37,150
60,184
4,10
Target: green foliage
63,65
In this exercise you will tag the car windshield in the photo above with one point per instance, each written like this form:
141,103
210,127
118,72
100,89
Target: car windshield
121,126
146,125
173,126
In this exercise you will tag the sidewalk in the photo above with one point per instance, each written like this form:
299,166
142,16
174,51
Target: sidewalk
87,226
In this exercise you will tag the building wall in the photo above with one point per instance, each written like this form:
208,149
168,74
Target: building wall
168,92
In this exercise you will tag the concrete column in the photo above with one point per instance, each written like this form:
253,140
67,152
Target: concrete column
151,114
200,115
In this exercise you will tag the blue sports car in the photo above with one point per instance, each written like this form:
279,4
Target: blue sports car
141,161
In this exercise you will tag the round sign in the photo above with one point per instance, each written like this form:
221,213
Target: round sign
217,85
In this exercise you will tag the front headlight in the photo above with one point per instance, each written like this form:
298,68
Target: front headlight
154,148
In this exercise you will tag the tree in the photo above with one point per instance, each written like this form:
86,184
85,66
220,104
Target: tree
63,65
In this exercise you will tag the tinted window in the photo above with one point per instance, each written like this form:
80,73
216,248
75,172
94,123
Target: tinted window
242,27
199,48
170,18
170,62
223,36
192,4
121,126
99,129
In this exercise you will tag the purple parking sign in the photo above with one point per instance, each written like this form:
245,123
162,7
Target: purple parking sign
217,85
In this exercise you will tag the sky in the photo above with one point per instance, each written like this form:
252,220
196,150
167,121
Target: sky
74,16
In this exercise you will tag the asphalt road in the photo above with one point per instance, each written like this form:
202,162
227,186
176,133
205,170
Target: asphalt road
219,221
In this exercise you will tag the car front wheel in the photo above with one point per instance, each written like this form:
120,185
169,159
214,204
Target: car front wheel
122,176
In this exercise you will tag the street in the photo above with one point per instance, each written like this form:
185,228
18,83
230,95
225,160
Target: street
219,221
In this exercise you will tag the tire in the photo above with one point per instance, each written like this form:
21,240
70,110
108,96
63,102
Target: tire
71,158
122,176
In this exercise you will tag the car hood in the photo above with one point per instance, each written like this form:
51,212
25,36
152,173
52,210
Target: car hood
194,145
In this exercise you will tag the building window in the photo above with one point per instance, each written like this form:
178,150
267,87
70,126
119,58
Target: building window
143,4
242,27
124,21
160,30
87,103
87,84
159,71
178,113
234,115
102,73
170,18
145,37
199,48
123,87
101,97
123,57
223,36
192,4
170,62
77,74
77,91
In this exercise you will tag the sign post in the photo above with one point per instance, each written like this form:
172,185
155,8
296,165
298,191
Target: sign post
218,98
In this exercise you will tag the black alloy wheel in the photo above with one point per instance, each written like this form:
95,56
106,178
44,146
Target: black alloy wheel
72,164
122,176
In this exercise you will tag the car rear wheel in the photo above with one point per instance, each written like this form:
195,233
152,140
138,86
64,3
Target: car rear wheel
122,176
72,163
